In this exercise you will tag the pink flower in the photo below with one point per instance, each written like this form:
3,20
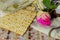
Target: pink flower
44,19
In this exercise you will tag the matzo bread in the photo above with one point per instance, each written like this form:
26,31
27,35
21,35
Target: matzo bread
17,22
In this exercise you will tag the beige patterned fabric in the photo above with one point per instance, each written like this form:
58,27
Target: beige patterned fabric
31,34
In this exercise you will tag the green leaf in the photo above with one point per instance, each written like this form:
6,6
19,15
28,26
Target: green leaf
49,5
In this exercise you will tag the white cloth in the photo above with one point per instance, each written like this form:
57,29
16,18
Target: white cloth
9,5
55,23
58,10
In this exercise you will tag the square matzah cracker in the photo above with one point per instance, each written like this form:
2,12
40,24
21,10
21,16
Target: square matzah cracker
17,22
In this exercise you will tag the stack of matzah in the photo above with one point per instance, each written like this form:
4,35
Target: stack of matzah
17,22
